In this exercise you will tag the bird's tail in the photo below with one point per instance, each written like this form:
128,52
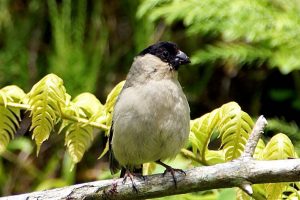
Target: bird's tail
114,165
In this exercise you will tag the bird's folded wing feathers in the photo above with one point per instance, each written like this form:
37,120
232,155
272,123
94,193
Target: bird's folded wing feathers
114,165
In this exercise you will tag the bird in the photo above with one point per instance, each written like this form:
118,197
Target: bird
151,116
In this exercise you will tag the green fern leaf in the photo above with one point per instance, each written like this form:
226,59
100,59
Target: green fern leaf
9,122
275,190
292,191
241,195
279,147
259,149
78,139
90,105
214,157
78,135
201,130
111,100
15,93
235,128
46,99
9,117
106,116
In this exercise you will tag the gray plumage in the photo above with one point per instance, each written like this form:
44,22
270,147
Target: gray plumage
151,117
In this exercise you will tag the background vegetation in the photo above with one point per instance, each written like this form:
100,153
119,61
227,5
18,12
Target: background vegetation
243,51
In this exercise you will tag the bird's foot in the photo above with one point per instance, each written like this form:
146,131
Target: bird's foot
171,170
130,175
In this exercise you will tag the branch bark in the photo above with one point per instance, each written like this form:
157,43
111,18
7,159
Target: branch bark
231,174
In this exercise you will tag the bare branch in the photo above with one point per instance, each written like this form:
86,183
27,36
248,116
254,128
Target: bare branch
231,174
254,137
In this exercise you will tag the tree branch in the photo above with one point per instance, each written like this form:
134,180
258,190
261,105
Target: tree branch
241,173
231,174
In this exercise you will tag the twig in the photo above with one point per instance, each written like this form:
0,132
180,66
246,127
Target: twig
254,137
64,116
248,153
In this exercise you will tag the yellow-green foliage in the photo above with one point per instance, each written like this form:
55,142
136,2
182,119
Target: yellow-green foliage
233,127
78,135
273,37
279,147
9,116
46,100
50,105
108,109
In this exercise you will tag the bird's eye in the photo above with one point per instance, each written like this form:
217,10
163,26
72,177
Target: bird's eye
165,54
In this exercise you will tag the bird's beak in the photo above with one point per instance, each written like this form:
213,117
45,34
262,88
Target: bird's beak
182,58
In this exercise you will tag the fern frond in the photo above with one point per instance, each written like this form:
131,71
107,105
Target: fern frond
111,100
78,136
89,104
78,139
293,192
9,123
274,40
235,128
15,93
107,115
279,147
241,195
9,117
259,149
46,99
201,130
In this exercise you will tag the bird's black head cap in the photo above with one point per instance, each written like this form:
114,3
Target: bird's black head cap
167,52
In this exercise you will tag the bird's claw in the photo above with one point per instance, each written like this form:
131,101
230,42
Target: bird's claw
130,175
171,170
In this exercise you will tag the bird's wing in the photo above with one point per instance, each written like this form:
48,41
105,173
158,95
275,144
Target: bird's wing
114,165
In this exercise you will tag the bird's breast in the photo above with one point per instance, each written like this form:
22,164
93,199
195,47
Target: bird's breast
151,122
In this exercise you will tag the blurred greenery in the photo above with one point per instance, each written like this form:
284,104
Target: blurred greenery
241,50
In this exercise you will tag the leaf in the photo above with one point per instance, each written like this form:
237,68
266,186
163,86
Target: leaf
279,147
78,139
78,136
106,116
9,116
235,128
275,190
112,97
9,123
3,98
89,104
148,168
105,150
46,99
201,130
214,157
259,149
13,92
241,195
110,102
